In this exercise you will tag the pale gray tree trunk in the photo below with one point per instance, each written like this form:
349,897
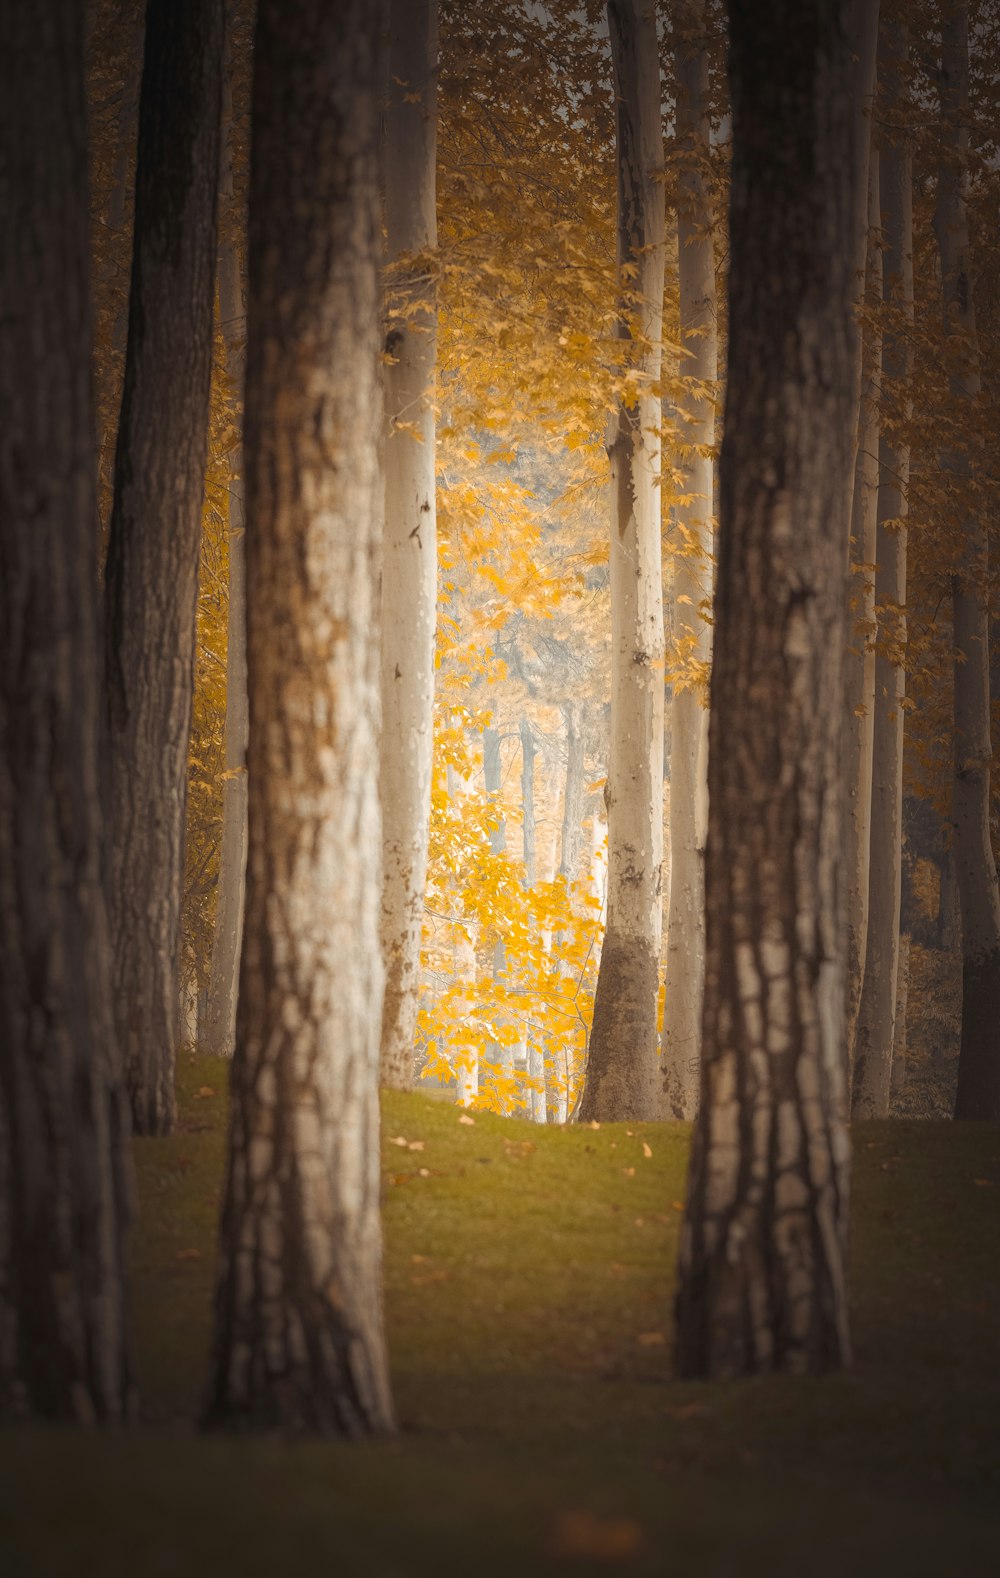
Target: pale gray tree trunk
463,968
762,1263
155,538
860,670
219,1033
978,1093
877,1010
569,866
533,1057
623,1075
299,1341
409,554
498,1052
65,1180
691,576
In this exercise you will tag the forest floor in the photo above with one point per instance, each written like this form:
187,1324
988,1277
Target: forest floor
528,1290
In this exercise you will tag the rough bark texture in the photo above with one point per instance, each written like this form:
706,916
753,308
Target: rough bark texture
877,1010
298,1322
219,1034
978,1093
623,1074
691,578
64,1171
409,564
762,1266
152,570
860,667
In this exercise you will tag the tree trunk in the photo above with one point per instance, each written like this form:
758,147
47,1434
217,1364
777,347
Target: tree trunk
528,753
762,1265
979,1061
409,566
860,671
299,1338
152,569
692,579
623,1076
898,1074
572,817
65,1180
499,1054
877,1010
220,1013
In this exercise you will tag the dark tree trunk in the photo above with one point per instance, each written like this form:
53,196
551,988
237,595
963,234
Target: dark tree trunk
64,1176
298,1321
152,571
763,1276
978,1094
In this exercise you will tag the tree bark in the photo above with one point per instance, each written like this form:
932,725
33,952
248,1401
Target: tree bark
762,1265
65,1181
409,566
152,569
299,1340
978,1094
528,753
877,1010
691,578
499,1054
860,671
219,1034
623,1076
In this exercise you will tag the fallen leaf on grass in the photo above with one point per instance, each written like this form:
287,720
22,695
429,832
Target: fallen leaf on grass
398,1139
466,1119
188,1254
651,1339
678,1205
583,1536
415,1145
646,1150
593,1124
629,1172
203,1092
983,1183
423,1277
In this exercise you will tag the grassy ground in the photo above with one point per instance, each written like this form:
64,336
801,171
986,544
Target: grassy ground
528,1288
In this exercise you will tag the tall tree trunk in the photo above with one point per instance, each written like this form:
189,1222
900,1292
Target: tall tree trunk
409,565
623,1075
64,1171
152,570
979,1061
877,1011
860,671
219,1033
691,576
298,1320
762,1265
533,1056
572,817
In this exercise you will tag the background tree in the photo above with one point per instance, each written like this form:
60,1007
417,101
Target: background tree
64,1170
152,567
979,1065
622,1067
298,1319
409,552
762,1268
877,1013
691,570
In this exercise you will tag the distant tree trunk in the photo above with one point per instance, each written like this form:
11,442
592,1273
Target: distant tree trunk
299,1338
409,565
876,1014
572,817
64,1169
499,1053
762,1266
898,1072
691,577
979,1062
152,569
860,670
528,753
219,1033
463,968
623,1076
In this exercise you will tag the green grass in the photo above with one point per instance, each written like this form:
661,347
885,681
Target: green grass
528,1289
